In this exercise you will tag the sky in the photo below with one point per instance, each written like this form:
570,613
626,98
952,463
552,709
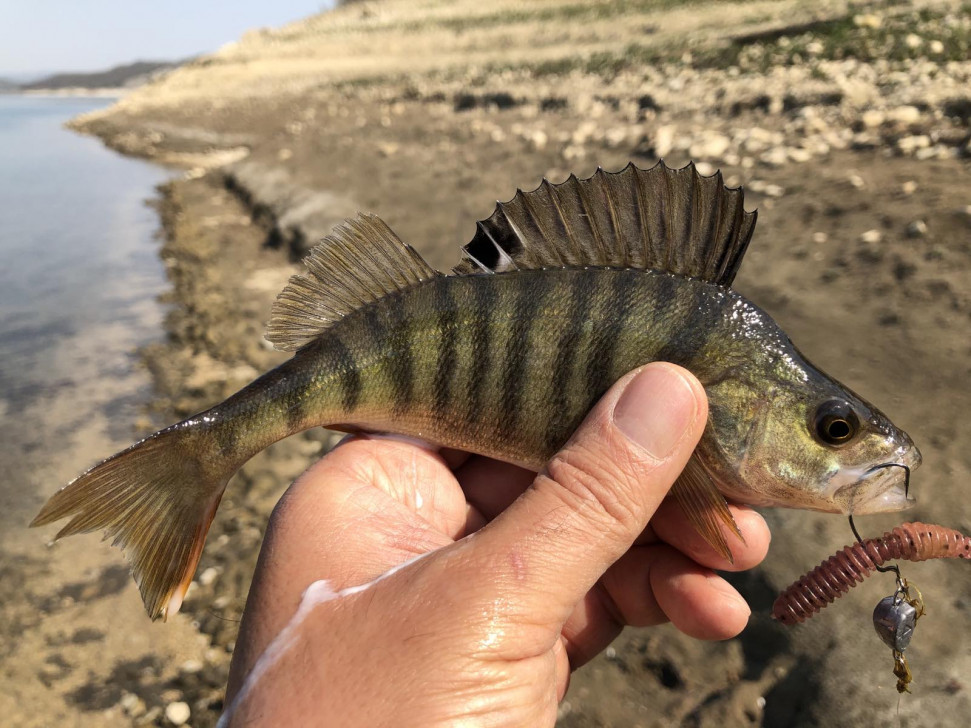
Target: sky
44,36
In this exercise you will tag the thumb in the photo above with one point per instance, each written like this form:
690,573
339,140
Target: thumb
597,494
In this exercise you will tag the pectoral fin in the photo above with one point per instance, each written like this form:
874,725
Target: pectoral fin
705,507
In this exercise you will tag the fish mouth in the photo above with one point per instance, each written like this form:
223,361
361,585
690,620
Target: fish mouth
884,488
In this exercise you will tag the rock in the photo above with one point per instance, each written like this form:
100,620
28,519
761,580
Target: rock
177,713
133,705
663,140
910,144
867,20
935,152
913,41
917,229
615,137
208,576
905,115
820,237
871,237
538,139
191,667
797,154
909,187
856,181
873,118
711,146
775,157
936,47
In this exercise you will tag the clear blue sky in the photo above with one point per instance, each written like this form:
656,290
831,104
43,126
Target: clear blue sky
89,35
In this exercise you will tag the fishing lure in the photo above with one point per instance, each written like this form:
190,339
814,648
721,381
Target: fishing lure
895,617
850,566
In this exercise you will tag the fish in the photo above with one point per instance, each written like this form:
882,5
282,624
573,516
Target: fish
560,292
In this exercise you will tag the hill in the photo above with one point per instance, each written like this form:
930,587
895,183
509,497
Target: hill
128,75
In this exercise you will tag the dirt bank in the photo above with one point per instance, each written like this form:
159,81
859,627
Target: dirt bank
858,166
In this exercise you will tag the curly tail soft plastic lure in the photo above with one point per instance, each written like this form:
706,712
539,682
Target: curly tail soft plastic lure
850,566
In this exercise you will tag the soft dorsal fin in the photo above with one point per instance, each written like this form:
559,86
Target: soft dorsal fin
672,220
360,262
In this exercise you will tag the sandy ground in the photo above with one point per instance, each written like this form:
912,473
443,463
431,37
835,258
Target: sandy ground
862,253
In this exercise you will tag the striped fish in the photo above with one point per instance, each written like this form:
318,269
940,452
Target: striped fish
561,291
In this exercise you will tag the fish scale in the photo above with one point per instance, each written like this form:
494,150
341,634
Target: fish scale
560,292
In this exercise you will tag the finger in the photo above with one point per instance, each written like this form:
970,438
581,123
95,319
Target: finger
491,485
654,584
598,493
671,525
632,592
696,600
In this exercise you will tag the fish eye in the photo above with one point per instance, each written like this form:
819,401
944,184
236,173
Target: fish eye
835,423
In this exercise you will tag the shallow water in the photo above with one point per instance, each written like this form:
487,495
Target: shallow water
79,281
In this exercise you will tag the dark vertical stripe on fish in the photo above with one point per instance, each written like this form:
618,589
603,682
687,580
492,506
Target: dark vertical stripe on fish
400,358
447,355
296,412
568,352
345,365
602,352
687,335
529,301
481,333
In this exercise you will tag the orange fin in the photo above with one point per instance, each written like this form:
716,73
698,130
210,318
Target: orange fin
156,500
705,507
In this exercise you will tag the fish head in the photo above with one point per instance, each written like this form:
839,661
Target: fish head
809,442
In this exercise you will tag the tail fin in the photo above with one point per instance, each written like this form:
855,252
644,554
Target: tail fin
156,500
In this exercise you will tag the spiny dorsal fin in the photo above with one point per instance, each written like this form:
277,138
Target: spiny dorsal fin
360,262
672,220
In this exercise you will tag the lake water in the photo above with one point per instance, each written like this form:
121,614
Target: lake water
79,281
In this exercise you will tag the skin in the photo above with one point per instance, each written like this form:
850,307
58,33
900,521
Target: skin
485,629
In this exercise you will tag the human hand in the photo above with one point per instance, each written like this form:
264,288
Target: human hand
524,577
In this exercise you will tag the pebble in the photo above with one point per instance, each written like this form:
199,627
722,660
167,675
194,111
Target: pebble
177,713
712,146
133,705
663,140
871,236
820,237
909,187
775,157
917,229
910,144
873,118
208,576
190,667
904,115
913,40
800,155
856,181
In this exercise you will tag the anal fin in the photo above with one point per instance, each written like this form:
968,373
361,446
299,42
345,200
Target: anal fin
705,507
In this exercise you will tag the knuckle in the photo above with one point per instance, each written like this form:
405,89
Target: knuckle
596,486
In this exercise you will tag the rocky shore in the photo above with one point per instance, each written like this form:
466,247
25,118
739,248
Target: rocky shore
849,128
